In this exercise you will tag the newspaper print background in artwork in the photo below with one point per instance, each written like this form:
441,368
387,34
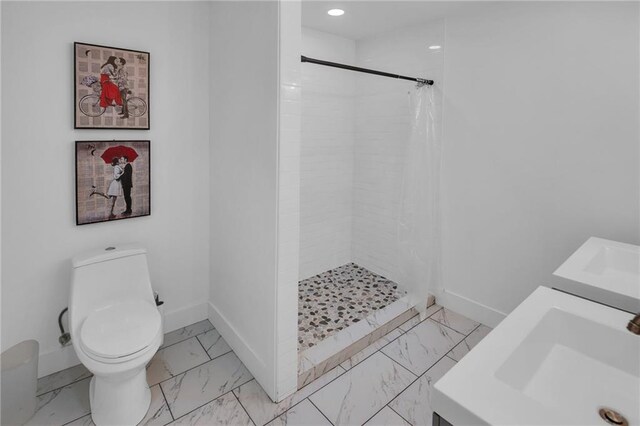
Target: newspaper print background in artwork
111,87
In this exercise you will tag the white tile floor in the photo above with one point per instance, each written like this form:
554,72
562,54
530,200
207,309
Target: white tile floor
196,379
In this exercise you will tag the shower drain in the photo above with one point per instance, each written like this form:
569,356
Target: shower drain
613,417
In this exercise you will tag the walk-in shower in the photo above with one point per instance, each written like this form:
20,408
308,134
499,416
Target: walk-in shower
369,199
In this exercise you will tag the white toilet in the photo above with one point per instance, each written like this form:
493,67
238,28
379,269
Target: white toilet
115,329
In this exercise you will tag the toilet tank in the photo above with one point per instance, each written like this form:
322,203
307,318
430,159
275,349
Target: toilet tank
107,276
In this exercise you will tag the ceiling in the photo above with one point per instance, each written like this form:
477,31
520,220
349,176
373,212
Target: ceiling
365,18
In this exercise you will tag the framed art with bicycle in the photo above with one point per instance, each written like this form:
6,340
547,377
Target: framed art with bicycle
111,87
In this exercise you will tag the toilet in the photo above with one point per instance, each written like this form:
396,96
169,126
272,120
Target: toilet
115,329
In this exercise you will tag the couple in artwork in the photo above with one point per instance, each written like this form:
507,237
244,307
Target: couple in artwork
114,81
121,184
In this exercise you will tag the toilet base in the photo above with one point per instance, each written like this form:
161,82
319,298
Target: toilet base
123,399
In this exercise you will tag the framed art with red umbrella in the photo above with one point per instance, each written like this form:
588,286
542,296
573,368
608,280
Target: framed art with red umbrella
113,180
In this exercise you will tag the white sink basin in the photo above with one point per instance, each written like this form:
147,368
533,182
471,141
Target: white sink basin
605,271
555,360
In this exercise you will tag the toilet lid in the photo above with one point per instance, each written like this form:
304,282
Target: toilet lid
121,329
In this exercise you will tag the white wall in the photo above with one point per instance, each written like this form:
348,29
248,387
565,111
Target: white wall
326,155
244,183
384,119
540,144
38,223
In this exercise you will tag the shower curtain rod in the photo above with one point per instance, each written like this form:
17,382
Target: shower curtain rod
365,70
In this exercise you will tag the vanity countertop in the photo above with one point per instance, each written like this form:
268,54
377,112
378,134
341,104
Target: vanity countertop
555,360
604,271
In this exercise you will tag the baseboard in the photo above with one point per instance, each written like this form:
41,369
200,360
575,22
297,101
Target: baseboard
470,308
61,358
243,350
56,360
182,317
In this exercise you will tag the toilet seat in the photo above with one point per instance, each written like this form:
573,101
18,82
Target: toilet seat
121,331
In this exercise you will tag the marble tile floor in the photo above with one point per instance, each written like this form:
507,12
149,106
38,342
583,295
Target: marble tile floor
196,379
338,298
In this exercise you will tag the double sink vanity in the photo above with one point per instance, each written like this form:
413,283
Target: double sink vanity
567,355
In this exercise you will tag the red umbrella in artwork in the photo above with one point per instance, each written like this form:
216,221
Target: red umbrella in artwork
119,151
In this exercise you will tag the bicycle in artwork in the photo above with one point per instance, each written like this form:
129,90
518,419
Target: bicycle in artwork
94,105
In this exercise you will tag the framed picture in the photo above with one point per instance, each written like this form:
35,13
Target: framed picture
113,180
111,87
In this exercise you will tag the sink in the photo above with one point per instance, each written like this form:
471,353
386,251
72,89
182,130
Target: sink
604,271
550,363
555,360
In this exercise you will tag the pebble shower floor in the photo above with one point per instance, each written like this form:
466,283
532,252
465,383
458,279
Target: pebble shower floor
335,299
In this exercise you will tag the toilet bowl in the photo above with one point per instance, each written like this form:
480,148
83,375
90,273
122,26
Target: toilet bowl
115,329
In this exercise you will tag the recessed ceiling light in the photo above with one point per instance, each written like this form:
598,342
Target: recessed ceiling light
435,47
336,12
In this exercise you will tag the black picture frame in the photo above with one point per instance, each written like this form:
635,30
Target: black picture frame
88,112
94,188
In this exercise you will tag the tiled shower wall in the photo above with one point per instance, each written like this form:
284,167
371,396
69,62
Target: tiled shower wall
326,154
355,130
290,41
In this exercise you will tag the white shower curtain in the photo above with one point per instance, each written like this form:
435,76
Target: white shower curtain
419,227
